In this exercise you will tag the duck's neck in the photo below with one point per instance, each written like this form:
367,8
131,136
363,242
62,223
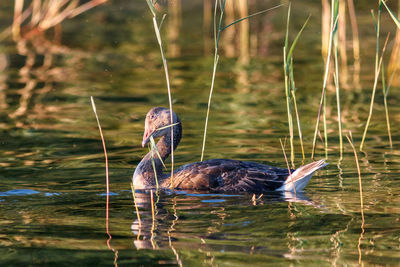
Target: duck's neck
144,176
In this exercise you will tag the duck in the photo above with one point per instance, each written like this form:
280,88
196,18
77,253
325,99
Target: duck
214,175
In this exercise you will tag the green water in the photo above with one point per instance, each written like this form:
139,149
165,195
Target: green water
52,170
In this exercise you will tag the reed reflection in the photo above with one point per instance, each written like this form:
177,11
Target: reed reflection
3,81
174,27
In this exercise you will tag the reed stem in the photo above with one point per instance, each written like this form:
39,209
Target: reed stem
136,206
378,65
107,172
217,35
290,87
287,88
153,217
385,95
323,94
296,110
216,57
337,84
165,65
288,167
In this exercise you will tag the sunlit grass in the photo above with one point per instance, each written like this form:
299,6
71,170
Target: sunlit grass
336,78
157,28
290,89
322,103
385,91
217,35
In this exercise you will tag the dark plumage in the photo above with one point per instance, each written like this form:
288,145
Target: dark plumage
217,175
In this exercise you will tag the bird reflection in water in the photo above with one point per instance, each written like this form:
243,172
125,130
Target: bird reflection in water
156,225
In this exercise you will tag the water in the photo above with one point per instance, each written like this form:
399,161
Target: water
52,189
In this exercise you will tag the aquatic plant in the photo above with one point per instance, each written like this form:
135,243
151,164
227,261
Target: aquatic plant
322,103
217,36
157,28
45,15
336,77
290,88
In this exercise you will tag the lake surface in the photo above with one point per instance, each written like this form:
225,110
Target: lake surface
52,168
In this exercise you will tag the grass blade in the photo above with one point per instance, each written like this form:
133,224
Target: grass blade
151,7
385,94
252,15
155,149
289,55
395,19
150,3
373,93
333,26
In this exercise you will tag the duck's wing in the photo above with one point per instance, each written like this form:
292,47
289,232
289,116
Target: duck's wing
229,176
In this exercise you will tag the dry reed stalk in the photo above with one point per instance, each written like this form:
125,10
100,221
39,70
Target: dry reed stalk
136,207
107,173
244,51
356,42
9,30
350,139
45,15
385,90
325,21
207,7
16,26
288,167
377,71
159,40
342,41
175,23
394,63
229,36
153,225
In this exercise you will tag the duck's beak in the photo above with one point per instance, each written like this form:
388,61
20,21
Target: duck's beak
146,136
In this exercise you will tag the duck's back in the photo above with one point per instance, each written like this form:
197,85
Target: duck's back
229,176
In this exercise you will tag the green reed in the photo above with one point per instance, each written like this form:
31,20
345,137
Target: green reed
290,89
287,163
377,22
385,91
136,206
157,28
217,35
391,13
379,65
336,79
322,103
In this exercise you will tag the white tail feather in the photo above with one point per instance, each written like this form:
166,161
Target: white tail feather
300,177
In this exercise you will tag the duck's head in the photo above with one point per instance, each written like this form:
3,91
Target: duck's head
158,123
